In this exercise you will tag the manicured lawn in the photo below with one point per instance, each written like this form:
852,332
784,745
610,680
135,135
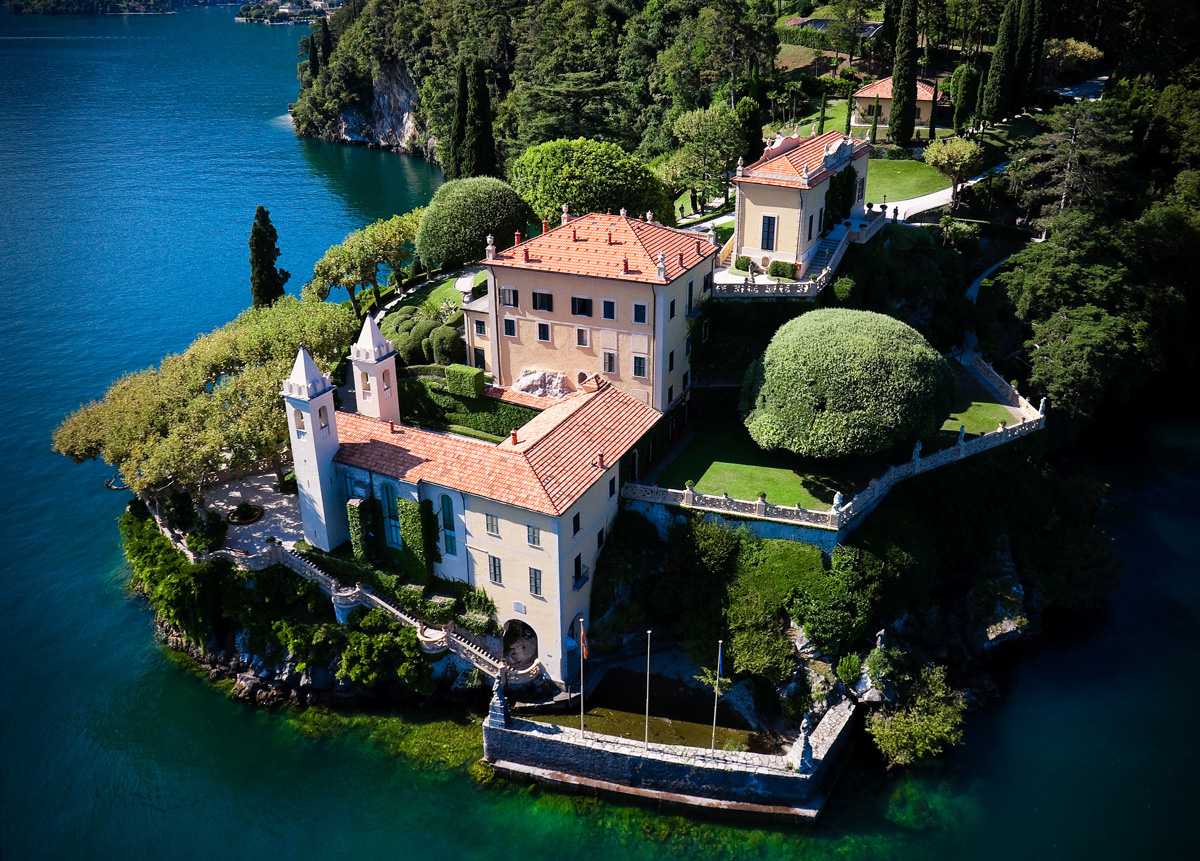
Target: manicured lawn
722,458
900,180
975,408
438,293
724,231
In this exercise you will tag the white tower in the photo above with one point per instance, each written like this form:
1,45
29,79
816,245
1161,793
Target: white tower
373,360
312,423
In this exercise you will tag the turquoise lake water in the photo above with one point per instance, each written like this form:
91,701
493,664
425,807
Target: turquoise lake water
133,151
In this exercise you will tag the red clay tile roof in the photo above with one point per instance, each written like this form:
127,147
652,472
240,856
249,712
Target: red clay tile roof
524,399
786,162
883,89
600,245
554,460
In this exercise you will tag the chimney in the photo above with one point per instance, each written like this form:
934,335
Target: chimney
625,265
610,237
574,235
680,259
491,247
545,226
662,265
601,460
566,216
517,238
392,426
525,253
699,253
514,436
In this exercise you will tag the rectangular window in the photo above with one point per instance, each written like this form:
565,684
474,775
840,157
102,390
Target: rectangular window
494,570
687,347
535,581
543,331
810,228
670,393
581,307
639,312
448,526
691,295
493,525
578,569
639,366
671,310
508,297
393,533
862,189
612,487
479,359
610,363
581,337
687,380
670,361
600,539
575,524
543,301
768,233
707,282
534,536
608,309
510,327
480,327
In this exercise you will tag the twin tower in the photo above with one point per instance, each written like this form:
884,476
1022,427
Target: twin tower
312,428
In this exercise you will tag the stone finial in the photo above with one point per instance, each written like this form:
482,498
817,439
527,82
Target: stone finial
917,451
837,501
662,265
566,216
622,212
741,168
962,432
491,247
649,217
711,233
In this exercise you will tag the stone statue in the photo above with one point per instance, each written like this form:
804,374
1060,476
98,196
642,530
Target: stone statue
837,501
1042,407
880,638
962,432
917,451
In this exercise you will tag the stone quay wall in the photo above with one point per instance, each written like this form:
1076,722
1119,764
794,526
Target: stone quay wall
792,780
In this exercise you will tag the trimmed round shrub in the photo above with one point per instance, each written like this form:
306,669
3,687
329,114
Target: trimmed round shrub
588,176
836,382
742,262
781,269
409,343
448,345
463,213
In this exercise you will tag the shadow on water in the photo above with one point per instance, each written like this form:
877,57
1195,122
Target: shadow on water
371,181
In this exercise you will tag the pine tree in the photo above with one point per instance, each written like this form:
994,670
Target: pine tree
903,117
997,95
326,42
266,281
1024,53
478,153
452,155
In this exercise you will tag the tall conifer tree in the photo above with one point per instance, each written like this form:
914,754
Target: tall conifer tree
1037,47
326,41
903,116
266,281
452,156
821,121
314,59
1023,57
891,17
997,95
478,154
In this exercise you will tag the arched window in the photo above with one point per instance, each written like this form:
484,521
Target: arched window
364,387
448,535
387,381
323,418
299,421
391,515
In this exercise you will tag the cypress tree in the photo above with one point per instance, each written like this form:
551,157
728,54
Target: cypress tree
891,16
966,98
1024,52
326,41
266,281
452,156
997,95
314,59
903,117
478,154
875,119
1037,47
849,106
821,122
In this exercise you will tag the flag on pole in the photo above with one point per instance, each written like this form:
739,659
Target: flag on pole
583,638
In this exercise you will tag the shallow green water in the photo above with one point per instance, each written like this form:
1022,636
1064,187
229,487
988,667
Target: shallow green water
132,153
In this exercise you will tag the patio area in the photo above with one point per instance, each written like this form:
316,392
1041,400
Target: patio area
281,512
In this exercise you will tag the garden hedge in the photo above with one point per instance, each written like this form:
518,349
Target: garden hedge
464,380
836,382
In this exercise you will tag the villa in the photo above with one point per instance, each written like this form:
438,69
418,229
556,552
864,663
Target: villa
864,102
607,296
523,520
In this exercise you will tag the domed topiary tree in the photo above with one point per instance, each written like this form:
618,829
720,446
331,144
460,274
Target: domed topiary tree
463,213
837,382
588,176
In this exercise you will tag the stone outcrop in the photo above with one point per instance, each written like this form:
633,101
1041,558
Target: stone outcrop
391,122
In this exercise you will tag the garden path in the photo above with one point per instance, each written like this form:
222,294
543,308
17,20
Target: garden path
281,517
914,205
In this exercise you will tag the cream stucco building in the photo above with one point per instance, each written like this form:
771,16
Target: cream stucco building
523,520
781,200
600,295
864,103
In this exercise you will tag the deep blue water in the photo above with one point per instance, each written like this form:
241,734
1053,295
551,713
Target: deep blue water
133,151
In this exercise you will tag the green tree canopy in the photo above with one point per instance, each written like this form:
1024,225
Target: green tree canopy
928,722
266,280
214,406
354,263
463,213
712,140
588,176
1002,77
957,159
837,382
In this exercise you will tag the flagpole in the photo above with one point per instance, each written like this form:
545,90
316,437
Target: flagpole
716,696
646,742
582,649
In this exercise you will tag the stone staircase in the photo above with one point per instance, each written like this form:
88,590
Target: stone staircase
823,257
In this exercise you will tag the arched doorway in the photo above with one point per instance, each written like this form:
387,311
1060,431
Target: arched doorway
520,645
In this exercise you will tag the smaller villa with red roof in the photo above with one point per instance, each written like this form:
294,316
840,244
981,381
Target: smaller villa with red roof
865,101
523,520
607,296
